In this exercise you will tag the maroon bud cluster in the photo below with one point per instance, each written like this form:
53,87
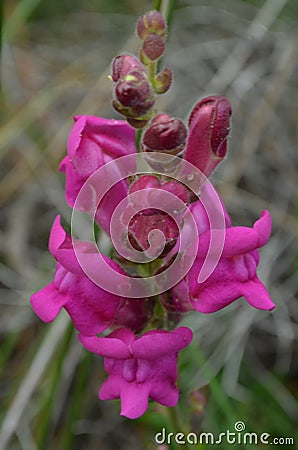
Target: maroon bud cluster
134,97
136,81
152,29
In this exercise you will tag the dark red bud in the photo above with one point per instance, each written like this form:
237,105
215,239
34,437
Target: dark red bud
151,22
219,112
124,64
165,134
134,92
153,48
163,81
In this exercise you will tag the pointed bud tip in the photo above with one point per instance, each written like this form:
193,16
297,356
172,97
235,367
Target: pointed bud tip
217,111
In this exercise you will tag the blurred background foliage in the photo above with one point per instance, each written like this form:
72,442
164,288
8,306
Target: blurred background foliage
55,60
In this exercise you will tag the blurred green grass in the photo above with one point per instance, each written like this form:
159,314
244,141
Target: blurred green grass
53,70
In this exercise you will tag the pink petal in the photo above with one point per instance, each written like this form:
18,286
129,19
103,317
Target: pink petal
57,236
155,344
124,334
109,203
47,302
217,296
240,240
256,295
106,347
110,389
164,393
263,228
61,248
134,396
113,137
134,399
79,192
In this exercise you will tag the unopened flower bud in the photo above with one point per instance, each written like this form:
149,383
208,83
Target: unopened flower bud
152,49
151,22
165,134
209,126
163,81
124,64
216,111
134,96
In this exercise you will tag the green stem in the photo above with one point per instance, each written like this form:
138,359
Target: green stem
156,4
151,74
166,8
139,132
168,11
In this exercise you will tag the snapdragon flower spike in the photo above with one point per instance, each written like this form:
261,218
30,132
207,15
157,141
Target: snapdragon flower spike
235,274
91,308
139,368
134,97
209,126
92,143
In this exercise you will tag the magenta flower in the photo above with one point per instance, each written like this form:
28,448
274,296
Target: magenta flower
91,308
139,368
92,143
235,274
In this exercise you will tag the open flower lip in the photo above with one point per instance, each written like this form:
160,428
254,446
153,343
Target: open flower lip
140,368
